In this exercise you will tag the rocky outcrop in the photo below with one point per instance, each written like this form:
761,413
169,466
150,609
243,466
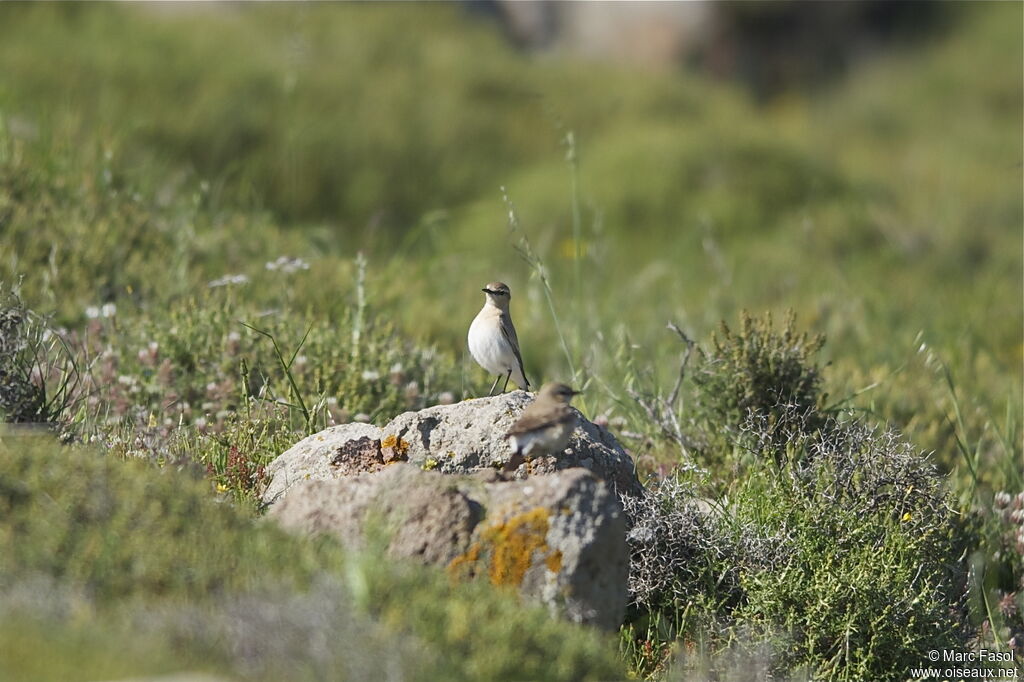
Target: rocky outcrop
428,482
557,539
453,439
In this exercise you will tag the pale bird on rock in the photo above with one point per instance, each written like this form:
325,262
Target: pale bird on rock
545,426
492,338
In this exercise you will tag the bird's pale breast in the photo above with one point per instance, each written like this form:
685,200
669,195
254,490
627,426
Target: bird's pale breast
488,346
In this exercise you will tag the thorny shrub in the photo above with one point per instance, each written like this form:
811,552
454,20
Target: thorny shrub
676,553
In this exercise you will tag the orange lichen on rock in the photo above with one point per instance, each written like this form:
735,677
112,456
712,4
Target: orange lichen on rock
464,565
510,548
554,561
514,543
393,448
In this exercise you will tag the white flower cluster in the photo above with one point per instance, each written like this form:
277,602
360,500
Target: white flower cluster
288,265
228,279
106,310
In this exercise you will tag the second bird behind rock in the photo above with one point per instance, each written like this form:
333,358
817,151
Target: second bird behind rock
492,338
545,426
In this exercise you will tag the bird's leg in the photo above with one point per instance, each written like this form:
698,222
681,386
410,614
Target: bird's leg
495,384
507,377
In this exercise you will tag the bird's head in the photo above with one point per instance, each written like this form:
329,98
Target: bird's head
498,294
555,392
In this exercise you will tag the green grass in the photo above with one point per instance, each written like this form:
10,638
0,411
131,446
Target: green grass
164,163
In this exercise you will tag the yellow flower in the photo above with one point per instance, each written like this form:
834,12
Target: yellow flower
907,516
221,488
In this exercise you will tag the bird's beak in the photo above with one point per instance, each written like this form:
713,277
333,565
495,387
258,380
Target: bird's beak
486,290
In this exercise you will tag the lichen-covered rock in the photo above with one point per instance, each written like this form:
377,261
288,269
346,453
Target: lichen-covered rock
335,451
557,539
452,439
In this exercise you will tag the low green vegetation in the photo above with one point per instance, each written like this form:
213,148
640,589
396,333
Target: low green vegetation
837,545
92,547
223,229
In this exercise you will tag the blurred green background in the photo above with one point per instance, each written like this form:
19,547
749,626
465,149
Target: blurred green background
149,150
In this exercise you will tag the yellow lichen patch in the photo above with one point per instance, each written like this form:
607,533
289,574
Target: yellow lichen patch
429,464
509,548
554,561
396,443
464,565
514,543
393,448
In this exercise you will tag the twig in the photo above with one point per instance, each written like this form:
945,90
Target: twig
661,411
682,365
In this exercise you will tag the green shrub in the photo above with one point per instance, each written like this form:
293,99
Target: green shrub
20,399
121,528
837,550
852,548
36,649
761,372
678,556
483,636
683,577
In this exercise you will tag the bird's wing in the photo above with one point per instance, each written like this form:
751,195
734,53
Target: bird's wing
508,330
535,421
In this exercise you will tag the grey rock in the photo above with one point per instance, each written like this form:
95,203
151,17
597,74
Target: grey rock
428,483
425,516
582,574
310,459
559,539
453,439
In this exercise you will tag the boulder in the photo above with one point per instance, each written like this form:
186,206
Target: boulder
453,439
558,539
428,483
